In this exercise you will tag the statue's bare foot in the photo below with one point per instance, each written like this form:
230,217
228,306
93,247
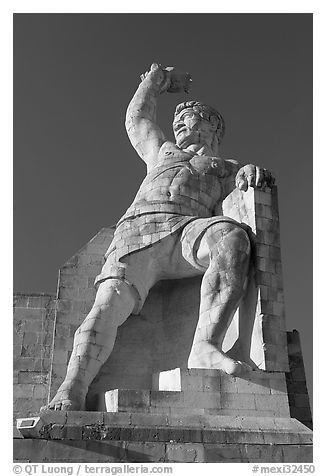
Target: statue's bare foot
66,400
207,356
236,353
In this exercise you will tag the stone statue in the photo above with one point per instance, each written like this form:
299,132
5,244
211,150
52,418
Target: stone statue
173,229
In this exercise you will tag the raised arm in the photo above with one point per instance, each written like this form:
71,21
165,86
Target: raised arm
144,134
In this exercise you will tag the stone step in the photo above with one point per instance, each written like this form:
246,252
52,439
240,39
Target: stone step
80,436
206,391
121,451
208,380
199,402
102,426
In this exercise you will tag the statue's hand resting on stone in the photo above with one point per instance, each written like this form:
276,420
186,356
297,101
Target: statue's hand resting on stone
168,79
253,176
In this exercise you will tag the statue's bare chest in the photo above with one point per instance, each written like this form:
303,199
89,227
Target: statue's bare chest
179,167
179,176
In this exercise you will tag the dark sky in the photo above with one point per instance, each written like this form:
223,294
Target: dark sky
74,168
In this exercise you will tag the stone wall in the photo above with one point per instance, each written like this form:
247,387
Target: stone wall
296,382
119,451
33,336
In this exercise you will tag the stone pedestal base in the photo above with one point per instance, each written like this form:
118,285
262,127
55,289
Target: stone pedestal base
141,437
203,391
191,415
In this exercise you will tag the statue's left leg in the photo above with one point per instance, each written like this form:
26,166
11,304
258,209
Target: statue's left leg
225,250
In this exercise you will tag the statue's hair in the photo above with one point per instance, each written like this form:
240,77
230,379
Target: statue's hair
198,106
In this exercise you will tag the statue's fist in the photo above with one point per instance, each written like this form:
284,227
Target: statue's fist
168,79
253,176
157,75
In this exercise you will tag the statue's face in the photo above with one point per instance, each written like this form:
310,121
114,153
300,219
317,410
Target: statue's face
192,127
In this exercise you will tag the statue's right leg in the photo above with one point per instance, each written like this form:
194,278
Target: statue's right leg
93,342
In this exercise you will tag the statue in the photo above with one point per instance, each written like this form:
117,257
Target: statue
173,229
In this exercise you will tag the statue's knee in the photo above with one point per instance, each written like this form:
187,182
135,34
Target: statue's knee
239,239
230,239
114,302
112,291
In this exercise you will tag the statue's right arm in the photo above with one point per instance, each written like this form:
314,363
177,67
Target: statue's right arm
145,135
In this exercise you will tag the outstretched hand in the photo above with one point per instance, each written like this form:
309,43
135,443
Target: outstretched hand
253,176
169,79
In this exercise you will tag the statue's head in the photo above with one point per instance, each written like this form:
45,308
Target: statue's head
195,122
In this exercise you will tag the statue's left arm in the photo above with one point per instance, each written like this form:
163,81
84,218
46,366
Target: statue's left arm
253,176
238,176
244,176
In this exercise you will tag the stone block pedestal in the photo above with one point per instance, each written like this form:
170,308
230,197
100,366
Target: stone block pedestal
190,415
202,391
